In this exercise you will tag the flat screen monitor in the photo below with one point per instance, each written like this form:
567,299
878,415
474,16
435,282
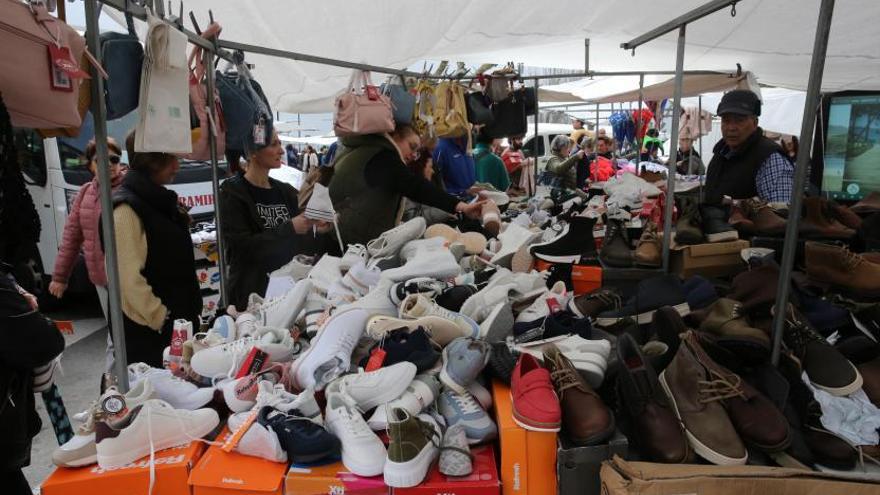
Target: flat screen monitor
852,147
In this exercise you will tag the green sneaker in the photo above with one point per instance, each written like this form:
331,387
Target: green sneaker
413,446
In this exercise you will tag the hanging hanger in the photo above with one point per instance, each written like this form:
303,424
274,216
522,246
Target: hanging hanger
176,20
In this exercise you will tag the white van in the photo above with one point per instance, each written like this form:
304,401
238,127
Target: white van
546,133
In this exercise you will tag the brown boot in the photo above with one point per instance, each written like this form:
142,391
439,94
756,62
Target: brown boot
819,218
765,220
841,268
868,204
740,221
845,215
648,251
726,322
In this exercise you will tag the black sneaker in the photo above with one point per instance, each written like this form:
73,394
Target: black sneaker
453,298
651,295
715,226
558,324
616,251
304,440
575,245
502,361
402,345
422,285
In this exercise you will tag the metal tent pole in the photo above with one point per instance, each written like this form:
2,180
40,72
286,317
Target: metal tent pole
597,121
537,137
789,249
108,230
639,110
700,127
587,55
673,148
679,22
215,180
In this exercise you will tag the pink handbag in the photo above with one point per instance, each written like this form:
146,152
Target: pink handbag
362,109
198,98
39,69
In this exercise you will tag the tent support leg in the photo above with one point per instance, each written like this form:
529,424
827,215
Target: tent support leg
789,249
537,137
99,115
639,109
597,120
215,180
587,55
673,147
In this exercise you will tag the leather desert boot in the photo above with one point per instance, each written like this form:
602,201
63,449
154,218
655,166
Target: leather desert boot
727,322
657,431
765,220
715,226
845,215
756,289
868,204
667,326
818,216
740,221
842,269
695,394
585,418
870,372
616,250
755,418
592,303
649,249
687,229
826,368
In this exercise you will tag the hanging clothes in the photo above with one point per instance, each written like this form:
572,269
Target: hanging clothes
644,116
695,123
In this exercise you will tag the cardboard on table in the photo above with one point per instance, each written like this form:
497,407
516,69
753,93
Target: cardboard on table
172,468
528,458
331,479
717,259
231,473
482,481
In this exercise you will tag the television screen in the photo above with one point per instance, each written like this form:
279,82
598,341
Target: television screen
852,147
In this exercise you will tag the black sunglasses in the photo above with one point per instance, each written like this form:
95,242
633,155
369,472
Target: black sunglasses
115,159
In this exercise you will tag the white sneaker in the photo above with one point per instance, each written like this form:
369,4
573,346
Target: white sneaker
500,198
224,360
313,311
360,279
224,326
439,264
418,306
319,207
362,451
178,392
419,395
540,309
354,254
371,388
325,272
281,312
296,269
513,237
441,330
241,394
278,398
377,301
631,185
80,450
258,440
245,324
412,248
588,356
503,286
150,427
330,352
390,242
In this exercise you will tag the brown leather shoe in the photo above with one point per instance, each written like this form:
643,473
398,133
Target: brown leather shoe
841,268
766,221
585,418
870,372
648,250
591,304
656,429
868,204
696,394
687,228
756,419
818,218
740,221
727,321
845,215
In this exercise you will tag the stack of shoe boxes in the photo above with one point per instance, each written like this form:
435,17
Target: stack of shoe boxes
578,467
331,478
482,481
230,473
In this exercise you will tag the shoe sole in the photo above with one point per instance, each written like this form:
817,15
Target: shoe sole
558,259
726,236
139,451
410,473
683,309
528,424
846,389
699,447
85,461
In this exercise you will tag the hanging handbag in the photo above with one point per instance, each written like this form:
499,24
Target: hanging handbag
40,75
423,113
246,110
509,118
403,102
530,101
499,87
198,98
123,59
450,112
478,110
362,108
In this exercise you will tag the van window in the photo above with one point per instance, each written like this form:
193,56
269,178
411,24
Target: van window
529,146
31,160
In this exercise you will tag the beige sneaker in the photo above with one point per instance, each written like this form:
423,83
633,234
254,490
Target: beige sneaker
441,330
417,306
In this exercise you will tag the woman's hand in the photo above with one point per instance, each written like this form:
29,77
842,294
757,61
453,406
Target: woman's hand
57,289
471,210
301,224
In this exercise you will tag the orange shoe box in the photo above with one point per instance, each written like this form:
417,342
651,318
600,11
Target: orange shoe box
172,467
482,481
231,473
586,278
333,479
528,458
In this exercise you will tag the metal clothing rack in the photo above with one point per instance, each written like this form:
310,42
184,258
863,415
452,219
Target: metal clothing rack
817,67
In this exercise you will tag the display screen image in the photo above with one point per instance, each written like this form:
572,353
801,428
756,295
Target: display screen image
852,147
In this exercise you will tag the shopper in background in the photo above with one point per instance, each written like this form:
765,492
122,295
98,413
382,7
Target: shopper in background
423,166
371,179
156,265
292,160
688,161
488,166
514,159
604,146
310,159
455,165
561,166
262,226
29,341
745,163
791,148
579,130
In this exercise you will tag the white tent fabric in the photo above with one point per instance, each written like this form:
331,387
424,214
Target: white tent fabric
782,110
773,38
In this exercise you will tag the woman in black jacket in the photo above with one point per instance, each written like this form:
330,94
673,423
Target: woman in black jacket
29,340
262,226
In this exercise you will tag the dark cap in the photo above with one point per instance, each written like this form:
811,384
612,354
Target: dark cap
740,101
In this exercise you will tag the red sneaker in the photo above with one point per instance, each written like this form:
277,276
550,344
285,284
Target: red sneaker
535,405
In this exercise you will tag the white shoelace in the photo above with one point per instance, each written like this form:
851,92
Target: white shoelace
467,403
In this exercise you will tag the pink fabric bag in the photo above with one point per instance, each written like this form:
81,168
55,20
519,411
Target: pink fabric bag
26,82
362,109
198,99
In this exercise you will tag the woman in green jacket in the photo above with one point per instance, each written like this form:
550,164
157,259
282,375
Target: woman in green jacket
561,166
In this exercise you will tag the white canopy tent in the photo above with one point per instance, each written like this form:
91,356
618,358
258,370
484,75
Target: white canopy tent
773,38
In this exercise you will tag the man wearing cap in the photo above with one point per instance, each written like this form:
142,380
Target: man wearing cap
745,163
578,125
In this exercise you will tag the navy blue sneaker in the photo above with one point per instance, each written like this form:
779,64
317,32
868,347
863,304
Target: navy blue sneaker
453,298
304,440
651,295
402,345
699,292
558,324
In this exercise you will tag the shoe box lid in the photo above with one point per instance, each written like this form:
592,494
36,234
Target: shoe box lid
715,259
482,481
620,477
172,467
230,473
578,467
528,458
331,478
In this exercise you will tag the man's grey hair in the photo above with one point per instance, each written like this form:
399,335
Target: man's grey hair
559,143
